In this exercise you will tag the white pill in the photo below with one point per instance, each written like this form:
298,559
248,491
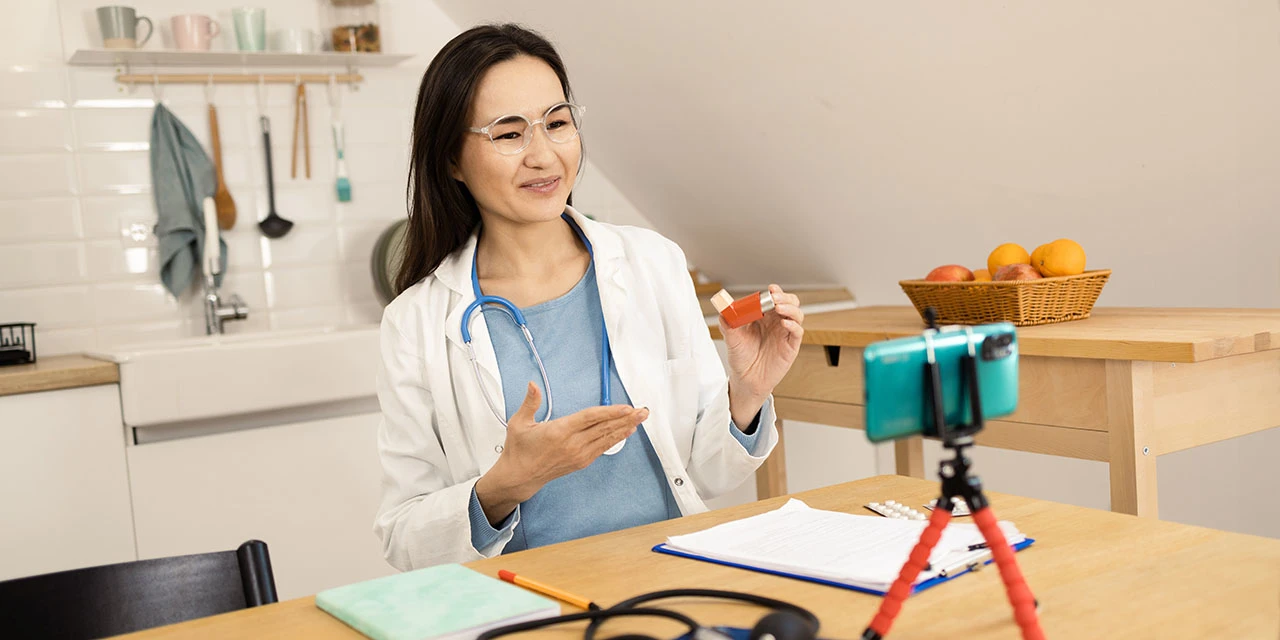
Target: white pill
890,502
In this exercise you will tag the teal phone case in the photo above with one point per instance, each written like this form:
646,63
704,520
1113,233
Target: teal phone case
894,375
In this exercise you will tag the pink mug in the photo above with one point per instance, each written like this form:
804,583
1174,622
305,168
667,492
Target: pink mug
193,32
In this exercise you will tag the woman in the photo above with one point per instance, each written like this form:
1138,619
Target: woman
496,152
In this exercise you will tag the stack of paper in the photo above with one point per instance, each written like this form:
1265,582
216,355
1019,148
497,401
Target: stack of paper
865,552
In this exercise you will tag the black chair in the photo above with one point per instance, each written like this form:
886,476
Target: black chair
132,596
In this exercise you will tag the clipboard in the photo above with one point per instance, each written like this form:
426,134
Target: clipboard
931,582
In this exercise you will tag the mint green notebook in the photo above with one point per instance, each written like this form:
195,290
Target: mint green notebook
445,602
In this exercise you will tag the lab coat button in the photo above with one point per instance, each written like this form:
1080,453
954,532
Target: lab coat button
679,482
498,449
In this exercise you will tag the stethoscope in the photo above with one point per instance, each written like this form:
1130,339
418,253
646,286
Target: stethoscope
786,622
509,308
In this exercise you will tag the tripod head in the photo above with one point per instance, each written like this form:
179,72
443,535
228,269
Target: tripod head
952,436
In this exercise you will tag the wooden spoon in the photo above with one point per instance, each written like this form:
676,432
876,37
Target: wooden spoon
222,197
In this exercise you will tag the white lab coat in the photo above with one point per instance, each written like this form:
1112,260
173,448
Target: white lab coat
438,435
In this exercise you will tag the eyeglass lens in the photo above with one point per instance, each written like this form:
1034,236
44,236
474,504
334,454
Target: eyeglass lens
511,134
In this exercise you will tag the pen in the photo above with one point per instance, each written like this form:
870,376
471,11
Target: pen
971,564
975,547
577,601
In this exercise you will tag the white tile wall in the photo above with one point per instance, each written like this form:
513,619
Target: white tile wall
44,263
77,250
34,130
34,87
49,307
39,219
31,176
119,172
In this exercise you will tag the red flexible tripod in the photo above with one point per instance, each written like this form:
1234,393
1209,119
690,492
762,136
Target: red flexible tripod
956,482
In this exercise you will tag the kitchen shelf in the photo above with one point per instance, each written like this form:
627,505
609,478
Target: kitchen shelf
168,57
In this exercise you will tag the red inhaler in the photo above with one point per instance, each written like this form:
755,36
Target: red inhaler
744,310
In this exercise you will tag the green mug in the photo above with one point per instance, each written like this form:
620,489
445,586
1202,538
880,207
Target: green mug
251,28
120,27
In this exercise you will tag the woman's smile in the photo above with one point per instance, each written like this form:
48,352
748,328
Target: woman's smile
541,186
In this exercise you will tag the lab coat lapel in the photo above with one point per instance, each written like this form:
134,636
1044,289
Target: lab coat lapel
632,338
455,273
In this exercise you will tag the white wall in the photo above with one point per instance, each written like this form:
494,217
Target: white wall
75,177
865,142
875,140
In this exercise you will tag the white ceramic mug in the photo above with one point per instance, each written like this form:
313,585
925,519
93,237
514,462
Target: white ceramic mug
295,40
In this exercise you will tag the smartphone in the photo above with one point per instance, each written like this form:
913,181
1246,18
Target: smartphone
897,401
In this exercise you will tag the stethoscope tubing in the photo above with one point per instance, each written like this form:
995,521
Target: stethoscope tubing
508,307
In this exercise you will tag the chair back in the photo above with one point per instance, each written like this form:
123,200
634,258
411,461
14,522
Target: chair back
121,598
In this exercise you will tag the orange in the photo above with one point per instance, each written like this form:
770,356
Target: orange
1038,255
1006,254
982,275
1062,258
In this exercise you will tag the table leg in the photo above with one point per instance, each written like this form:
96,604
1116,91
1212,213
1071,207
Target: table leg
1129,420
771,477
908,455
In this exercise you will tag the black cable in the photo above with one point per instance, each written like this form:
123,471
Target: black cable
595,616
628,605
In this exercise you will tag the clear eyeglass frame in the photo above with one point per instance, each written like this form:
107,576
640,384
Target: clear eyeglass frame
527,136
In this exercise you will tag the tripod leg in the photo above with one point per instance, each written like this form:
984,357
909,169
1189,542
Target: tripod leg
901,589
1024,604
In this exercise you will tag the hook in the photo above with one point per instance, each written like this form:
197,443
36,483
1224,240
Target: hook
297,80
155,88
208,90
262,94
351,78
335,96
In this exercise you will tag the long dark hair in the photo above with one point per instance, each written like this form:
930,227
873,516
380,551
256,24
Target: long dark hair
442,211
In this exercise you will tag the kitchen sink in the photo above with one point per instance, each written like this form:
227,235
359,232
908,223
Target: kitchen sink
207,377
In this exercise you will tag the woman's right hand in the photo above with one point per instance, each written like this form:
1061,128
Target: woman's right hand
536,453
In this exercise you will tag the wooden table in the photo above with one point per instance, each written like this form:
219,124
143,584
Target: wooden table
1123,387
1097,575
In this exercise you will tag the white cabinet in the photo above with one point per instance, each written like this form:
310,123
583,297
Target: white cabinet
64,489
309,489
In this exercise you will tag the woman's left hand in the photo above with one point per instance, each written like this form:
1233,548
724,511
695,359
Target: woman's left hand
761,353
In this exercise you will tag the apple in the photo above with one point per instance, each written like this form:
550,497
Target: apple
950,273
1016,272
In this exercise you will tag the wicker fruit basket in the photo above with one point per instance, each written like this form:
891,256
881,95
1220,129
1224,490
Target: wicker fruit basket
1022,302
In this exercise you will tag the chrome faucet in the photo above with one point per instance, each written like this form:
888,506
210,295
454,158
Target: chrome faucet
215,312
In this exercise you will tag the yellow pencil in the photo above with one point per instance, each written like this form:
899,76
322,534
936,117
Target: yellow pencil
577,601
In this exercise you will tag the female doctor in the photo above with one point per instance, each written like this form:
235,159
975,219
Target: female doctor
473,465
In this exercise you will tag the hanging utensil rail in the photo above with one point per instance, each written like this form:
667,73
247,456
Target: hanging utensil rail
237,78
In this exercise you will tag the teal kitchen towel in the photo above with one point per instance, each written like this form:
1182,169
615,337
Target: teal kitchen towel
181,178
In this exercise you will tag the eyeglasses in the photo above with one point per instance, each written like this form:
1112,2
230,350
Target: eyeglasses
511,134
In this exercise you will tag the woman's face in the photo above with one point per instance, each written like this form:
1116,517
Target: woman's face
530,186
